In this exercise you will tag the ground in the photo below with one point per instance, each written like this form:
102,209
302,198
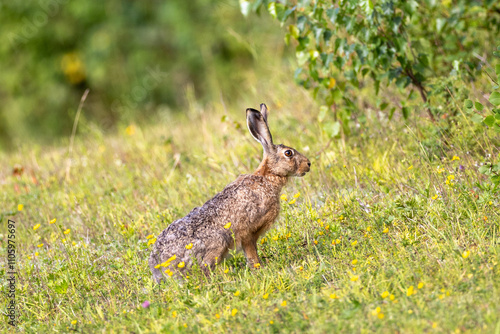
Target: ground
393,230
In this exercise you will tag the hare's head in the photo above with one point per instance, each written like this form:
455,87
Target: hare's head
278,160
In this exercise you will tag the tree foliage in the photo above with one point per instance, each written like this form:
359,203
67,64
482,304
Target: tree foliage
135,57
417,45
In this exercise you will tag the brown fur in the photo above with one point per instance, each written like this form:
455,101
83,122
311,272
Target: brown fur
251,204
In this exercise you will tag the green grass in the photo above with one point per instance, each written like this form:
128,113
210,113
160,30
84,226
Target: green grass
367,220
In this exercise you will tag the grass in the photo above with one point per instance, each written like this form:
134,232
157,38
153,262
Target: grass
388,233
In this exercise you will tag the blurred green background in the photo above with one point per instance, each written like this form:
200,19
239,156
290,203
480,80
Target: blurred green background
137,58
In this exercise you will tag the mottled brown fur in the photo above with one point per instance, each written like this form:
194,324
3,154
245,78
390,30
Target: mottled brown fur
251,204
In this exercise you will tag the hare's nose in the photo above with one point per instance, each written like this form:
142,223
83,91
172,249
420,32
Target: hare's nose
309,163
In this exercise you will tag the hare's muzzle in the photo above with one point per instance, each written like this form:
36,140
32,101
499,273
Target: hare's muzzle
305,167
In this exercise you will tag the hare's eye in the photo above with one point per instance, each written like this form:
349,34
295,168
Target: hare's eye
288,153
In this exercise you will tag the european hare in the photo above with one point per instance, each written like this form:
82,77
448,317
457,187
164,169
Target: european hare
246,208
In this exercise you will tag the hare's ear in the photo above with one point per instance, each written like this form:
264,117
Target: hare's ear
258,128
263,111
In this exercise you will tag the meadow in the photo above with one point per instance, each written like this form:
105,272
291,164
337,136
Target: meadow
393,230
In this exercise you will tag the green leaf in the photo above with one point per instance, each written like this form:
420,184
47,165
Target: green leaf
302,57
490,120
272,9
391,113
468,104
332,14
406,112
332,129
476,118
440,24
478,106
495,98
497,69
294,31
245,7
323,110
484,169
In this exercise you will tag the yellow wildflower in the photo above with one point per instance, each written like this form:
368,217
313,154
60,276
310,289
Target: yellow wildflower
67,231
271,322
297,195
217,315
150,236
226,271
392,297
234,311
158,266
256,265
20,207
181,265
36,227
331,83
150,241
284,198
283,303
380,316
334,296
369,228
435,197
237,293
455,158
265,296
189,246
420,285
354,278
385,294
355,261
292,201
228,225
386,230
410,167
130,130
74,322
53,221
465,254
36,254
40,245
434,325
410,291
169,272
337,241
315,242
174,314
354,243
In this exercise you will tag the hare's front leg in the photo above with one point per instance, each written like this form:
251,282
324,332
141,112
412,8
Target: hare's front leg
250,250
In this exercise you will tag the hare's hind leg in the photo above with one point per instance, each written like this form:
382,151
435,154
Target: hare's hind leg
215,252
